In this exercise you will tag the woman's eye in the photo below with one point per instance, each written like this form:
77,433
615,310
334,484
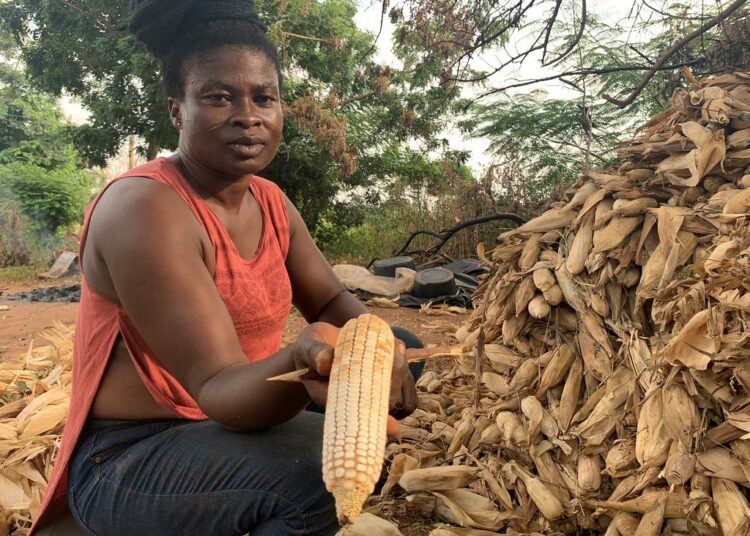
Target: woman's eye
219,98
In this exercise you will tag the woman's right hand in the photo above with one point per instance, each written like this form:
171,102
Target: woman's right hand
314,349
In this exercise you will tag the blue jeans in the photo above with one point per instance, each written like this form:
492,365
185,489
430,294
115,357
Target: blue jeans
174,477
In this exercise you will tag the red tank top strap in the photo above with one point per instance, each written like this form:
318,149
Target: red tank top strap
273,200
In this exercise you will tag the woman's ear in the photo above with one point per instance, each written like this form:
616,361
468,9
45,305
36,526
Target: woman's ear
174,112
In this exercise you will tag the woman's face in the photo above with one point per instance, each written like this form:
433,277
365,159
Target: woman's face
229,117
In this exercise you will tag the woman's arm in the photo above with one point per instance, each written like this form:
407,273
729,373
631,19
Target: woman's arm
320,297
150,246
318,293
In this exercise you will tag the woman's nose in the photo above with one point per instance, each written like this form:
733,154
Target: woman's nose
247,115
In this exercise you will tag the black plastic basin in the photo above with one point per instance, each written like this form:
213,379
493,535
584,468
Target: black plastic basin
434,282
387,267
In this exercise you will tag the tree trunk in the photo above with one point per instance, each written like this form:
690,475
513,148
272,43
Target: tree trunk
131,151
153,150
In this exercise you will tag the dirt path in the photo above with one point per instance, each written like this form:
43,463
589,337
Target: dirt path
23,321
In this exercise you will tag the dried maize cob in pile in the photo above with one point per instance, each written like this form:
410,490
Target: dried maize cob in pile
614,362
356,413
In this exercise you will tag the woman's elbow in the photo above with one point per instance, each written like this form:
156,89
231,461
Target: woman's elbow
252,420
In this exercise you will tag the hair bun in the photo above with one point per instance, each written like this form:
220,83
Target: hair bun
205,11
158,24
155,23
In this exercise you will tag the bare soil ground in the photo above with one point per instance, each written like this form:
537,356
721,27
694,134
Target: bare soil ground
23,321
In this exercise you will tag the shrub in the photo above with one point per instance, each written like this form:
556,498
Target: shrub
37,207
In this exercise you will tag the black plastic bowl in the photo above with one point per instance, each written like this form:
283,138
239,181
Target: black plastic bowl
387,267
434,282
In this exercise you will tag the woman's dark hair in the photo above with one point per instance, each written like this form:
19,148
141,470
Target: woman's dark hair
176,30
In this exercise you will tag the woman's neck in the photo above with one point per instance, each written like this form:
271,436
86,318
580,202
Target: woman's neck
227,191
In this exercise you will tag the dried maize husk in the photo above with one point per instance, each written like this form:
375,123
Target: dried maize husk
582,243
652,521
652,442
539,308
539,420
510,428
553,295
680,464
732,509
524,375
556,370
550,507
589,473
620,458
544,279
570,394
438,478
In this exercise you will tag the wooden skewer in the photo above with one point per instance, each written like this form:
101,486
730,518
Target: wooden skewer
412,354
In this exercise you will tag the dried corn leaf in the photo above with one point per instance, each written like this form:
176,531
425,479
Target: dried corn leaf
438,478
468,509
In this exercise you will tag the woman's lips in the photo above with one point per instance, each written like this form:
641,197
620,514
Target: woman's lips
248,150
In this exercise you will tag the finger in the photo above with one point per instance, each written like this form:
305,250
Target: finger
393,427
408,398
319,357
318,391
399,365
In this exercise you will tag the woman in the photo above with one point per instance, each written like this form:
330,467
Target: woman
191,264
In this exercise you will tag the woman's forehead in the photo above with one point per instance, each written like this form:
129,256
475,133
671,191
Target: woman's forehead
235,66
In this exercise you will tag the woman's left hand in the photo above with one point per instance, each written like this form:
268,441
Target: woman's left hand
403,399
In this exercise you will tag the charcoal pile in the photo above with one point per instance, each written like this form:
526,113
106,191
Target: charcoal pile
605,383
63,293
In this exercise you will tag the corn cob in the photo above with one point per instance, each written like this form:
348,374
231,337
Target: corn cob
354,432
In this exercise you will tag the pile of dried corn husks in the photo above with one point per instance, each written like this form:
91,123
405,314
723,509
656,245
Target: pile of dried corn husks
34,397
614,370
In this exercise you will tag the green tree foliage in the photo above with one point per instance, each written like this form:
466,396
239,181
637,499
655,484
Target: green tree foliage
43,189
51,199
348,121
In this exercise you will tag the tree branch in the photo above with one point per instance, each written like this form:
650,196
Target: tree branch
307,37
671,15
585,72
575,41
668,53
550,24
380,31
353,99
484,40
520,56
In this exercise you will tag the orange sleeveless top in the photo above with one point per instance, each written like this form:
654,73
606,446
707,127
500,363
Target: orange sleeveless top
257,293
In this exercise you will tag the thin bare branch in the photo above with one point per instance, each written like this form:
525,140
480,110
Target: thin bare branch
584,72
641,54
350,100
576,39
672,15
308,38
380,32
550,25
